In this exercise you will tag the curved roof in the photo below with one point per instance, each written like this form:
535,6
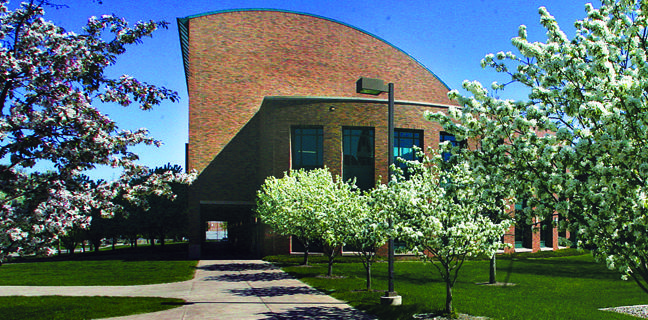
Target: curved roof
183,26
234,59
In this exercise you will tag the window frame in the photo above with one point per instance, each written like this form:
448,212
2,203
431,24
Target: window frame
372,158
397,148
297,161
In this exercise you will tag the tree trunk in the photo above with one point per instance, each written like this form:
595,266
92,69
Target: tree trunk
368,268
448,305
306,245
493,270
330,265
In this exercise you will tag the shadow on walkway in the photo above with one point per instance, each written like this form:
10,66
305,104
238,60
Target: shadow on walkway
317,313
250,277
275,291
238,267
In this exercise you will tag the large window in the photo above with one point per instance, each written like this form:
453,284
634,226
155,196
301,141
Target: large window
307,148
358,150
404,142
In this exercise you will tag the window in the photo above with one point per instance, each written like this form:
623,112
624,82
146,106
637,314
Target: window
404,142
358,152
453,141
307,148
546,233
523,231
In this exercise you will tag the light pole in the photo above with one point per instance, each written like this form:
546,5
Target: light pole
376,87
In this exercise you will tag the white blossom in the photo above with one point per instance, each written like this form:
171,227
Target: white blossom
577,146
49,80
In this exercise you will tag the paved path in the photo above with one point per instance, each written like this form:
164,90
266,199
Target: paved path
221,289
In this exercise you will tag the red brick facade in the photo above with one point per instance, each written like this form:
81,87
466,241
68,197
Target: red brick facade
253,74
235,59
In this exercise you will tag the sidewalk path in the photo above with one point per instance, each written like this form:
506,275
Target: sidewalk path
221,289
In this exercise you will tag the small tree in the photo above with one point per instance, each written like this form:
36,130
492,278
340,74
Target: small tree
441,216
286,206
340,203
312,205
369,231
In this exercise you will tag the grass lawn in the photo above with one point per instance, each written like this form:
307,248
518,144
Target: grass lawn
72,308
125,266
571,287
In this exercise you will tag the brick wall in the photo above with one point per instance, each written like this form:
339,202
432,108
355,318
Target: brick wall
237,58
238,61
278,117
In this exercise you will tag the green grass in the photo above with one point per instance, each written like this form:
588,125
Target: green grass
72,308
127,266
569,287
124,266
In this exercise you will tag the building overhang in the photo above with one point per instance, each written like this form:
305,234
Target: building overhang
292,100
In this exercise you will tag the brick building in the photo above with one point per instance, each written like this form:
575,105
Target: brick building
272,90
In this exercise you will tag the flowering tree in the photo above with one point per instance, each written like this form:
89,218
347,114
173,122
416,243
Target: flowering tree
341,204
439,210
285,205
577,146
311,205
369,229
50,81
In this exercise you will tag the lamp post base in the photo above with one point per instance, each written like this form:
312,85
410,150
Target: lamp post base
391,299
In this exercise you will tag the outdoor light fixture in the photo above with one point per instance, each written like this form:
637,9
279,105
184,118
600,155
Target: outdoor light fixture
371,86
375,87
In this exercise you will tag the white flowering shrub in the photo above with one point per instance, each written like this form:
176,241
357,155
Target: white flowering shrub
49,80
285,205
369,229
439,210
311,206
577,146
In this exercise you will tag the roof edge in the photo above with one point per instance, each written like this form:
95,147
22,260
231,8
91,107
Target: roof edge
183,29
354,99
183,34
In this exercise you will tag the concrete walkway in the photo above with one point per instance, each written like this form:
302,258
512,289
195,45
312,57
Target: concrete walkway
221,289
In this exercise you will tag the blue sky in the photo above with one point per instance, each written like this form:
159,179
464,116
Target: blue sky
448,37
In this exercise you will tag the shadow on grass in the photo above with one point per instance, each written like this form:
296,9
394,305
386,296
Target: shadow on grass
168,252
586,268
317,313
